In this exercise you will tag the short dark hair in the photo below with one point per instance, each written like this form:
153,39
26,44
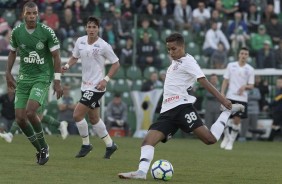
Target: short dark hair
244,48
93,19
117,95
29,4
175,37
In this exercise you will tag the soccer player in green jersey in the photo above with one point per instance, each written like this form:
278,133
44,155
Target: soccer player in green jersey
40,62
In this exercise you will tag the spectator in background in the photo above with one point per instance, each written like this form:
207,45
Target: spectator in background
164,14
10,16
257,39
66,107
183,15
274,29
4,26
121,24
51,19
152,83
243,6
263,87
212,38
212,110
4,43
95,8
200,17
147,53
265,56
68,25
110,36
276,109
252,18
253,113
260,4
230,7
237,33
126,56
267,12
116,114
215,17
278,55
219,57
7,111
145,27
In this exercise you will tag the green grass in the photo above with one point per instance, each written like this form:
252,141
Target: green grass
193,162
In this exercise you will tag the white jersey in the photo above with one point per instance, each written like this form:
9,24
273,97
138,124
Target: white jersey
238,76
181,75
93,58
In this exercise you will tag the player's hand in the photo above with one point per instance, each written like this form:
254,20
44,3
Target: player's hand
241,90
102,85
227,103
64,69
11,83
58,89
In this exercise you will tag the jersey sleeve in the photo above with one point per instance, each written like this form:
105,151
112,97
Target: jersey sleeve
13,43
109,54
52,40
75,51
194,68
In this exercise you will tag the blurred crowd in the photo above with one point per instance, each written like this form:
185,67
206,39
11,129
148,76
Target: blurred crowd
214,29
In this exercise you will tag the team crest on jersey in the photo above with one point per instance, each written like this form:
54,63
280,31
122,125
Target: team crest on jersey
39,45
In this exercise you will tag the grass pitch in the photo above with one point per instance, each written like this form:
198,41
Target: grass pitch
193,162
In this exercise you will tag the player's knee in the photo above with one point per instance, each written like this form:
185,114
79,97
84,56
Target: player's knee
30,114
210,140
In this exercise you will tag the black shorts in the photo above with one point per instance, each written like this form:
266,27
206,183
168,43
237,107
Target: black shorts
242,115
184,117
91,99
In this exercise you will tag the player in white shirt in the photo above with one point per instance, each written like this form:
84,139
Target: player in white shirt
238,78
177,110
93,52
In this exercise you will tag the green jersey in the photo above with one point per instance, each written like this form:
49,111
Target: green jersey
36,62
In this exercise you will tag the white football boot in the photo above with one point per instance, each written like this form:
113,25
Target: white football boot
64,129
133,175
8,137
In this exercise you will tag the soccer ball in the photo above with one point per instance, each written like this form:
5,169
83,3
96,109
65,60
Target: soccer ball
162,170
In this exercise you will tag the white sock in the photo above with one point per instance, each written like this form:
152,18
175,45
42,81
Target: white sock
102,133
147,155
82,127
234,132
218,127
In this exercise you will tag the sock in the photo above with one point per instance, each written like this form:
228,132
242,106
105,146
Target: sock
40,135
14,128
49,120
218,127
29,132
147,155
82,127
101,131
234,132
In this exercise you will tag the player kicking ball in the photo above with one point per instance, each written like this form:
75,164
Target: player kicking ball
177,110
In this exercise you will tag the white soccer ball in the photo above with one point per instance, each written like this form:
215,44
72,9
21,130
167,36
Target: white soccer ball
162,170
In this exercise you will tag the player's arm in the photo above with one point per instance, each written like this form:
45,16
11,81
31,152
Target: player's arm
244,88
57,69
11,83
210,88
224,85
113,70
72,61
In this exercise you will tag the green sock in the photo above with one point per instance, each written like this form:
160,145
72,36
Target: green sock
28,131
40,135
14,128
49,120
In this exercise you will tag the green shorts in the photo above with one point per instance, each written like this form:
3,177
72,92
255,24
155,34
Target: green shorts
37,91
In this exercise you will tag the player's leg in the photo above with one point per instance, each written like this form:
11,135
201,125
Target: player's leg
162,130
62,126
226,133
22,95
79,116
8,137
35,106
152,138
235,128
100,129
